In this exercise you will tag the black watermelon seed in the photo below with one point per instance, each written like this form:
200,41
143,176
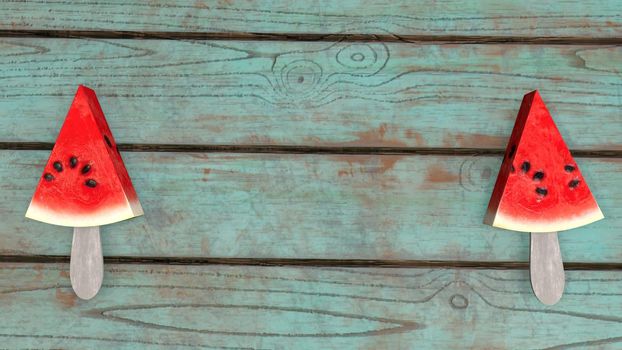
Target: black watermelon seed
525,166
539,175
574,183
58,166
86,169
91,183
73,161
512,168
48,177
541,191
512,151
108,141
569,168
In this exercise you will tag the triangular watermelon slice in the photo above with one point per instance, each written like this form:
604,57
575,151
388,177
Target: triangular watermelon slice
539,187
84,182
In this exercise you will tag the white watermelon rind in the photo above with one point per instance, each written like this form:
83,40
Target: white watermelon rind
541,226
99,218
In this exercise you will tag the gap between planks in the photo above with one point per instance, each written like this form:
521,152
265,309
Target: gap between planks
295,149
129,260
346,37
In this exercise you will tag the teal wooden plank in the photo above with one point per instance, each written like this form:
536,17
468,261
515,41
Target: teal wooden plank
309,206
302,93
220,307
586,18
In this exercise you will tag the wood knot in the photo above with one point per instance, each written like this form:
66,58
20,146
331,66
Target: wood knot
357,56
458,301
476,174
301,77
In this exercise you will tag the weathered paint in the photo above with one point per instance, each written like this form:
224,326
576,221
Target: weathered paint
309,206
221,307
572,18
310,93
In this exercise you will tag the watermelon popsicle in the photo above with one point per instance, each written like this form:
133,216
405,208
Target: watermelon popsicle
85,185
541,190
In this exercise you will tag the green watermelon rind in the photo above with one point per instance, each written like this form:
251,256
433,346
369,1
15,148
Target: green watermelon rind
100,218
507,222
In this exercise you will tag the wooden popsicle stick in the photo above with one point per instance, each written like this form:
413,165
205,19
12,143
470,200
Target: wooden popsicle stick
86,268
546,268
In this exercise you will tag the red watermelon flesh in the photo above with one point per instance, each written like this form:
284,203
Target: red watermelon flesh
539,187
84,182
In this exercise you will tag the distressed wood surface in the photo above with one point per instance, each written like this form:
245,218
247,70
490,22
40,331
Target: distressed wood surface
309,206
332,94
222,307
587,18
317,94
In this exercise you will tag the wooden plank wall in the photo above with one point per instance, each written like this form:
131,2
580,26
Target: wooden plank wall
221,307
319,135
531,18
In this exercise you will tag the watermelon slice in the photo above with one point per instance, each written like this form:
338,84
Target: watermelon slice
539,187
84,182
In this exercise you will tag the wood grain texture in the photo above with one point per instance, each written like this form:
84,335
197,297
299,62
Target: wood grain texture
574,18
309,206
341,92
319,94
221,307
